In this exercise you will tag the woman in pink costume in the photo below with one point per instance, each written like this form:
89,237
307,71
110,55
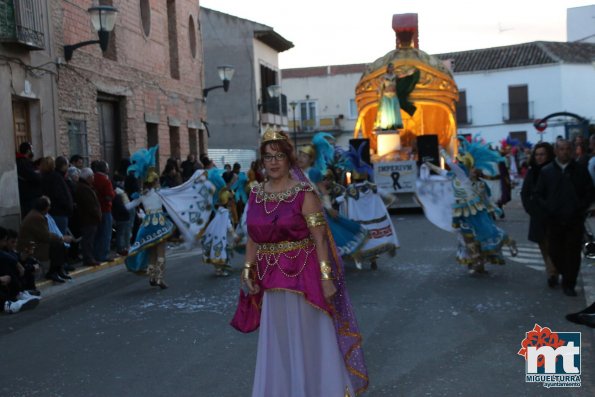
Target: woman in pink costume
309,342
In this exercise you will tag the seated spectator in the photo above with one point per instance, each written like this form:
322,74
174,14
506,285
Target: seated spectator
49,246
13,297
27,264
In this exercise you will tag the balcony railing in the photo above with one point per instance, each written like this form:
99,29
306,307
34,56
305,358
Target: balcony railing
327,123
516,112
21,22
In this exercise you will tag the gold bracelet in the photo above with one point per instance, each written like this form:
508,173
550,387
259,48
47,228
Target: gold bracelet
246,273
325,270
248,265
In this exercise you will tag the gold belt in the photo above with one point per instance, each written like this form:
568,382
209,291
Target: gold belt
284,246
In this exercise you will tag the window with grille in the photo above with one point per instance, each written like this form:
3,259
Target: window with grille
77,139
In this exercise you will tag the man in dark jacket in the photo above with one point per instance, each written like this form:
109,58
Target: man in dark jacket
89,213
55,187
564,191
29,178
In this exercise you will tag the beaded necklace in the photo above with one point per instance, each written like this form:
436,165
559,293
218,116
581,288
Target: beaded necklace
288,196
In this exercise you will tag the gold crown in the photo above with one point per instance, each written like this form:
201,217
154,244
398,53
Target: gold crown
272,135
309,150
467,160
152,175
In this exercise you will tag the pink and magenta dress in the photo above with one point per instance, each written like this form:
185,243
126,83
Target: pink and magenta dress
306,346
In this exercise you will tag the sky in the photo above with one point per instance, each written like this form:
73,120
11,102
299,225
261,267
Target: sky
337,32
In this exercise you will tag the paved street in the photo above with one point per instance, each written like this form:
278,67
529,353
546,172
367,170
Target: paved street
429,328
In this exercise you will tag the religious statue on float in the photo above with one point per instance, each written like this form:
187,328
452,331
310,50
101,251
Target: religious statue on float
394,93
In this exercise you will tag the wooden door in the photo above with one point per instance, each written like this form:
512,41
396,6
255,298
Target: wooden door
22,128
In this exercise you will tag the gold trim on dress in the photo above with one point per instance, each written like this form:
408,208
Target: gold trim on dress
315,219
284,246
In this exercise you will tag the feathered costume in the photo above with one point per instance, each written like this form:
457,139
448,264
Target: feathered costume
349,235
362,203
480,240
188,205
217,239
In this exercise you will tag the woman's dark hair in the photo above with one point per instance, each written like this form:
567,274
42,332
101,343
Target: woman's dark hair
170,166
60,163
283,146
549,152
25,147
11,234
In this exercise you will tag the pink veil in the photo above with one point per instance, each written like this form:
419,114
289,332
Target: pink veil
346,328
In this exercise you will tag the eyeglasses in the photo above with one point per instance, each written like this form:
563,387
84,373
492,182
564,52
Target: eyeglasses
269,157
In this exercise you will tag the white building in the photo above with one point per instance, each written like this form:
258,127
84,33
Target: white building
503,90
322,99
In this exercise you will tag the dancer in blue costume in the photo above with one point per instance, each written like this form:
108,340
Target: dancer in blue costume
188,205
147,254
364,203
480,240
313,159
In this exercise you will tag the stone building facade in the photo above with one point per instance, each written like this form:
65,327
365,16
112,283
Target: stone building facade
146,89
28,93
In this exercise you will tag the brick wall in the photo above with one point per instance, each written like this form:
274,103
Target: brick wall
138,80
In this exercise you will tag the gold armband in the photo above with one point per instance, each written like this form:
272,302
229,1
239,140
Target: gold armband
325,270
315,219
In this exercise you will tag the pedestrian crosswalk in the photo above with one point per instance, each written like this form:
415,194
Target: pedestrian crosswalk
529,255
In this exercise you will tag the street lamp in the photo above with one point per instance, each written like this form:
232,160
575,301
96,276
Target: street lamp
103,19
225,74
293,104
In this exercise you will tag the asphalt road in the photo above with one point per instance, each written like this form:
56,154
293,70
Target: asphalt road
429,328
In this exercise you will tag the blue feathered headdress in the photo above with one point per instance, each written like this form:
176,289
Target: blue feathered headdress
358,165
324,150
142,161
484,158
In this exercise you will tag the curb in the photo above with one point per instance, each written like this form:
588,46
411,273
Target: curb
86,274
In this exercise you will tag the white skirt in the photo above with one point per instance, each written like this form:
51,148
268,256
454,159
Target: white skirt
298,354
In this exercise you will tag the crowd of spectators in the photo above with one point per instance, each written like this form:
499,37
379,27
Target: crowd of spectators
72,214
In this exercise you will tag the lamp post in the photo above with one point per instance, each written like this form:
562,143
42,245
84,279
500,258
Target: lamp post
293,104
103,19
225,74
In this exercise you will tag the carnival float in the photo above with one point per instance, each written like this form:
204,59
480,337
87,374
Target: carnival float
425,95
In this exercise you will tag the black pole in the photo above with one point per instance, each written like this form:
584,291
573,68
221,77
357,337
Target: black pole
294,130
